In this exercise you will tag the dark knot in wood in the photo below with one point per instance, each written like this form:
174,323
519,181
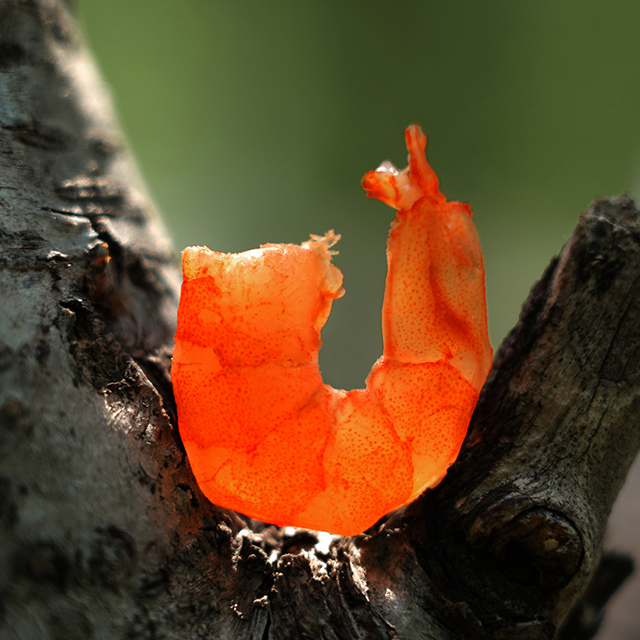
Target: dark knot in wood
539,547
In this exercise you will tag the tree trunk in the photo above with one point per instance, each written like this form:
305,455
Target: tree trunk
104,532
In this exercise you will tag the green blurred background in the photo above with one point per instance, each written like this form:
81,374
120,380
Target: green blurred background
253,122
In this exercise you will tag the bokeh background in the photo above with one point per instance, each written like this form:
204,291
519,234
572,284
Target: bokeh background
254,121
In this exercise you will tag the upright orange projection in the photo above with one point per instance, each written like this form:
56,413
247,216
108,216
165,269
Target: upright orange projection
264,435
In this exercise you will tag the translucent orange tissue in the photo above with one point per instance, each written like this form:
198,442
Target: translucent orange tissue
264,435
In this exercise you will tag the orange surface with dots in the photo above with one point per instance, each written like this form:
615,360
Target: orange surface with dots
264,435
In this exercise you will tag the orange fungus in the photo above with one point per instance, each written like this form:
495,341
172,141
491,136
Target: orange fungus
264,435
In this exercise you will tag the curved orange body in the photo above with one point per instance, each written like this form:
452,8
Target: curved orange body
264,435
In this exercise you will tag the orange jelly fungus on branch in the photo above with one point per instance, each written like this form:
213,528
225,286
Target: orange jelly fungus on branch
264,435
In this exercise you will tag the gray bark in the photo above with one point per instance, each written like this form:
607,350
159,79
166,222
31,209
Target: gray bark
103,530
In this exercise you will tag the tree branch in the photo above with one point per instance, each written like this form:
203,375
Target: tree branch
104,532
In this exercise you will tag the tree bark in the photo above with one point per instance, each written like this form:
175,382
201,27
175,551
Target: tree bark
103,530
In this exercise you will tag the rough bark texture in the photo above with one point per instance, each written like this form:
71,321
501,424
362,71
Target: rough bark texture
103,530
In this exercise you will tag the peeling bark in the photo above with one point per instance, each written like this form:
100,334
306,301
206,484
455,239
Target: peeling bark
103,530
